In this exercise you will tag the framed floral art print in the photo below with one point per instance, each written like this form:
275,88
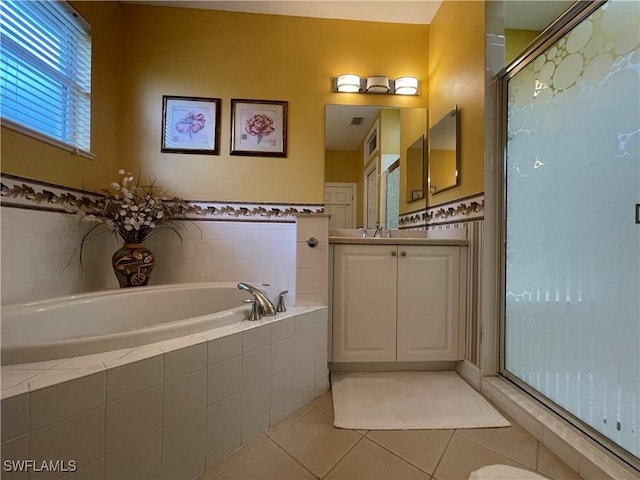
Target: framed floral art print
259,128
190,125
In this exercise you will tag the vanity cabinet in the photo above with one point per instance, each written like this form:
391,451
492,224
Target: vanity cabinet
397,303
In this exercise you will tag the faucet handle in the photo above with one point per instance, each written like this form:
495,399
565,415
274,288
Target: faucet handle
255,312
281,307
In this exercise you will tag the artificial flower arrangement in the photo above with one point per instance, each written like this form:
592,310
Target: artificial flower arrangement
132,210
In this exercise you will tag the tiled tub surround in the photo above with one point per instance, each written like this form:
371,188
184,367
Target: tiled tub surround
37,245
169,409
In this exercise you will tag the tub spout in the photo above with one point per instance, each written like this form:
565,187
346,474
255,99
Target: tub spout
265,305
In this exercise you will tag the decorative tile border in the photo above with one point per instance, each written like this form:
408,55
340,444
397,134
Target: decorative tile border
32,194
463,210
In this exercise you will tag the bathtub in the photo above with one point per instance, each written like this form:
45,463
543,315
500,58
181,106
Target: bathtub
106,320
194,384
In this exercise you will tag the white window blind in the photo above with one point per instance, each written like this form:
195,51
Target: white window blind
45,72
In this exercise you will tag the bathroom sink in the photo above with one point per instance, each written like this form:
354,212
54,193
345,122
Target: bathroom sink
399,237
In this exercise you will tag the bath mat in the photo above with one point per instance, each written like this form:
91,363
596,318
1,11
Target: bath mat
504,472
409,401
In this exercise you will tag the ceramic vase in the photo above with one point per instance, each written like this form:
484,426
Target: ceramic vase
132,264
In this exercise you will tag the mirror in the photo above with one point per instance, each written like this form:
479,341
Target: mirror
415,170
444,157
366,158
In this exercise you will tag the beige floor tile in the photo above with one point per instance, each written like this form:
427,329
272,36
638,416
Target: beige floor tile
265,462
314,442
513,442
551,466
370,461
236,456
285,422
324,403
463,457
422,448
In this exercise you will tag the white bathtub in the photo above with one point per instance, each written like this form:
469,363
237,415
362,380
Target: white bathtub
112,319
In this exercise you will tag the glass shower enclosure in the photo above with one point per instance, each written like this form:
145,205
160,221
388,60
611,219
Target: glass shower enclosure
571,221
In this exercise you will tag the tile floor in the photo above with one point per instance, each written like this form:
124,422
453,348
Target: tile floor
307,446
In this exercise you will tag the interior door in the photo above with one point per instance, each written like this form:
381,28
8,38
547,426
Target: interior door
339,202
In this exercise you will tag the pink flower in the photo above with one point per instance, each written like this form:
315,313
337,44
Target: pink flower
192,123
259,125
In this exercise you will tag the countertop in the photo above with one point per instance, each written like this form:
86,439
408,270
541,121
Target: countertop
399,237
396,241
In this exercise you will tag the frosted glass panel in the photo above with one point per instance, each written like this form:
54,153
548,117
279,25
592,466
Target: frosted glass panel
572,326
393,199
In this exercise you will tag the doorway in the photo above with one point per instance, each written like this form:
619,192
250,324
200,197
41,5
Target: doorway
371,197
340,203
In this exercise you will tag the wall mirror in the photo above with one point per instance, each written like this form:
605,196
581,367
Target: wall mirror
382,182
444,155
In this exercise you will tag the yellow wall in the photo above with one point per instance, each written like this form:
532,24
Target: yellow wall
456,76
390,131
141,53
24,156
443,168
342,166
515,41
235,55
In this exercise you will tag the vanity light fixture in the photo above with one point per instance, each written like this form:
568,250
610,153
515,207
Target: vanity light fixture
406,86
378,84
350,83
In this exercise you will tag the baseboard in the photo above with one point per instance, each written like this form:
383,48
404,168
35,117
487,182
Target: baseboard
590,460
390,366
470,373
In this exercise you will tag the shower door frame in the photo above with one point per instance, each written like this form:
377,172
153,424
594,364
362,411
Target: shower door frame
565,23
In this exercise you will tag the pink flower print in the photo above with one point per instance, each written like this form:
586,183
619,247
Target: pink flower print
192,123
259,125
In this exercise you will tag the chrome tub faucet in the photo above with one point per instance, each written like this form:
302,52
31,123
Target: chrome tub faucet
265,306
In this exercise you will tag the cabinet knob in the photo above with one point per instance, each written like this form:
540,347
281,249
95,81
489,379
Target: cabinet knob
393,253
404,254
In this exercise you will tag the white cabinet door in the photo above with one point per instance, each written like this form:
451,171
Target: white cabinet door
339,199
428,303
364,303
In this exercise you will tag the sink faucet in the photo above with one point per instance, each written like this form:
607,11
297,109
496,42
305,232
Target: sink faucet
265,305
378,231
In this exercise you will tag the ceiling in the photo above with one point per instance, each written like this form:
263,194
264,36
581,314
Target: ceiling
519,14
393,11
340,133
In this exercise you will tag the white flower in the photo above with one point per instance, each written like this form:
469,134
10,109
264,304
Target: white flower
160,214
121,172
114,185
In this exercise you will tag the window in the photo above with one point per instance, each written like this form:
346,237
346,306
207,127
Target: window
45,72
371,144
